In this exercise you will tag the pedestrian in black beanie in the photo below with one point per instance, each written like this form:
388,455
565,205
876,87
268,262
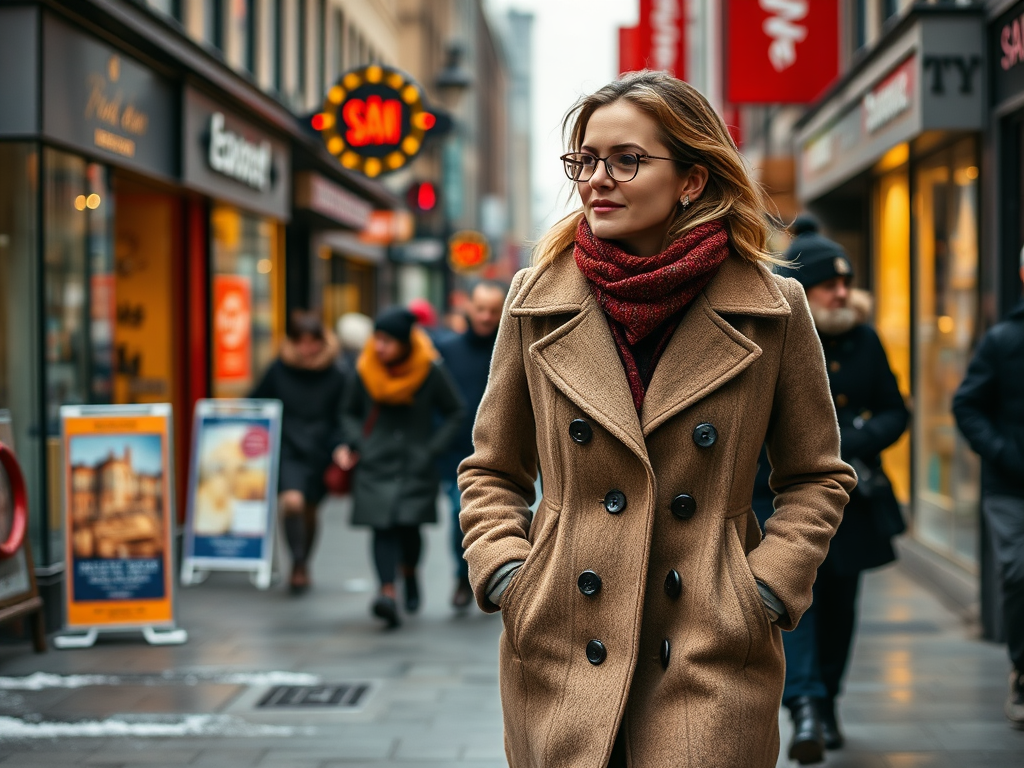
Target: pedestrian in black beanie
872,416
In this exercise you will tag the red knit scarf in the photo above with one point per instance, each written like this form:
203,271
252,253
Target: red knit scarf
640,294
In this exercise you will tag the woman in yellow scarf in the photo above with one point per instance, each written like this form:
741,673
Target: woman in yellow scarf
392,436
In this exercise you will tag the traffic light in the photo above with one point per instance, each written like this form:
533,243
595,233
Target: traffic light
422,197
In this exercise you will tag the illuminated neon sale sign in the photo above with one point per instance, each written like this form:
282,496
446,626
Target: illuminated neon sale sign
374,120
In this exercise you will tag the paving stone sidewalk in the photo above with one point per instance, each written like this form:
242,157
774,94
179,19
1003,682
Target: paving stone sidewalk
922,691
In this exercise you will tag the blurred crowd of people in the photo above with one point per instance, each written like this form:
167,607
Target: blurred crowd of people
382,410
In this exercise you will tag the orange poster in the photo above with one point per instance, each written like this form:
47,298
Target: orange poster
232,329
117,516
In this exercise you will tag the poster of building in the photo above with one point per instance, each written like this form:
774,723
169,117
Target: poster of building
118,510
232,497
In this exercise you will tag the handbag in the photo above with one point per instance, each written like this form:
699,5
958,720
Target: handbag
874,487
338,481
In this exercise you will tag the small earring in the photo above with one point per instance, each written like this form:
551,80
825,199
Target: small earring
685,202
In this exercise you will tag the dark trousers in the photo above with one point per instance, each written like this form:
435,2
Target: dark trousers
1005,518
451,490
818,650
400,545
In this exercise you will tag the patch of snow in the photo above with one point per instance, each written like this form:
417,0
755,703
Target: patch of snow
188,725
40,681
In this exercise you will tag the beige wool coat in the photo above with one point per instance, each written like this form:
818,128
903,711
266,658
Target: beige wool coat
690,667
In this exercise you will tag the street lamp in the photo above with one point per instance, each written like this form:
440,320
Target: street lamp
453,80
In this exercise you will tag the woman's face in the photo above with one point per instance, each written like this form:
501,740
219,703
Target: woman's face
309,346
635,214
389,349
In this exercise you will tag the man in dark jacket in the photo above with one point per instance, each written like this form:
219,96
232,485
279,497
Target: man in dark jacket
468,358
872,416
989,409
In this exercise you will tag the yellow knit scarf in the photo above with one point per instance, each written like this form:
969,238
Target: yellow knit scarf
397,384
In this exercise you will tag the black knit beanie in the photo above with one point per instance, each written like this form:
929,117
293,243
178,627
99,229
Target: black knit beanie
812,257
396,322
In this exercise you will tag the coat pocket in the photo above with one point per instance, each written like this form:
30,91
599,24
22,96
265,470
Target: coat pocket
756,616
542,535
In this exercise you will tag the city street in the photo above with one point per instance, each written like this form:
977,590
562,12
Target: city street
922,691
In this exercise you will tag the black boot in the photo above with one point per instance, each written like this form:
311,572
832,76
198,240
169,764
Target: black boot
412,590
384,607
829,724
808,744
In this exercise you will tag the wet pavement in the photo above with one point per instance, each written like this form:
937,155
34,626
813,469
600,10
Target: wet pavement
279,682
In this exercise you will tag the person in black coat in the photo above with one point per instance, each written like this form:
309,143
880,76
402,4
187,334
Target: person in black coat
468,358
872,416
401,412
989,410
311,386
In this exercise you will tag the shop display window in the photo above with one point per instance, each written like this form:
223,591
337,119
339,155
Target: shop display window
946,243
246,294
892,303
349,285
19,338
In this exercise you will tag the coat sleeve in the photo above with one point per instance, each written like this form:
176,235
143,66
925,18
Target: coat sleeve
353,413
889,412
811,482
497,480
448,402
974,406
265,389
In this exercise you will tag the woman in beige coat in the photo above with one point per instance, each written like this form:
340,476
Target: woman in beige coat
639,367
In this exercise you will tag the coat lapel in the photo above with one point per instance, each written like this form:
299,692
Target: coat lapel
579,356
706,351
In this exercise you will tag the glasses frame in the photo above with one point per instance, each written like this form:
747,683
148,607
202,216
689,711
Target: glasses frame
608,166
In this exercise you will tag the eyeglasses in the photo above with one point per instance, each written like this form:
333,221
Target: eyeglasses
622,166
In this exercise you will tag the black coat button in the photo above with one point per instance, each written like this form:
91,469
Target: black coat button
596,652
673,584
615,502
684,506
705,435
580,431
666,653
589,583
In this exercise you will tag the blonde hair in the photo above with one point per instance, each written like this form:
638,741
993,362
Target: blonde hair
695,135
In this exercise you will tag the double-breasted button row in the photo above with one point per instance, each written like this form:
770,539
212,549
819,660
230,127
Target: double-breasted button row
615,502
580,431
596,652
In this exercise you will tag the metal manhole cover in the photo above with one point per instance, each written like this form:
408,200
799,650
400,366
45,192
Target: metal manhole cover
336,696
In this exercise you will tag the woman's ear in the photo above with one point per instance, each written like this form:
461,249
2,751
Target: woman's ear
693,185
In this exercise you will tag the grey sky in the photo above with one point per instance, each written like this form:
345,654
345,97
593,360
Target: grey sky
575,51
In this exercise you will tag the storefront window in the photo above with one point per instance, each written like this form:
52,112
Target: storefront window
77,275
245,314
892,301
947,471
349,285
19,338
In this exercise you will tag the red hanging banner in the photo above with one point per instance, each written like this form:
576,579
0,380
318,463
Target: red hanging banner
781,51
658,41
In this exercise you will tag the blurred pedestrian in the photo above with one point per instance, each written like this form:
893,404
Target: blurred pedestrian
989,409
640,365
468,358
872,416
310,384
391,441
426,316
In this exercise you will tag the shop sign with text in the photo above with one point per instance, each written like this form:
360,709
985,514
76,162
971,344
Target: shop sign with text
780,51
105,103
374,120
232,329
1007,41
